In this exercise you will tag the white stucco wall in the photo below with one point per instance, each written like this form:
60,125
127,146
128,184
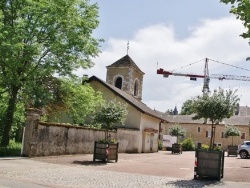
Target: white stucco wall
149,122
134,116
149,139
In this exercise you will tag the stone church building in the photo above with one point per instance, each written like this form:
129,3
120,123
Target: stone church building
124,83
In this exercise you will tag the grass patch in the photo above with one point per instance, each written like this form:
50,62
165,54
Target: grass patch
13,149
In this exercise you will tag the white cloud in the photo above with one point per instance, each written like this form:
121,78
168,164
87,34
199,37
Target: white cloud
215,39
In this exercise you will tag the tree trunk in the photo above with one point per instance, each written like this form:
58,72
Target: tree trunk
8,117
211,139
212,136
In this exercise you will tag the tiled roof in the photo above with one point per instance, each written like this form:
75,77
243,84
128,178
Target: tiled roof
234,120
125,61
237,120
129,99
244,111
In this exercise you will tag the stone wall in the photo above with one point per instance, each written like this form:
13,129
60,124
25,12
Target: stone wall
43,139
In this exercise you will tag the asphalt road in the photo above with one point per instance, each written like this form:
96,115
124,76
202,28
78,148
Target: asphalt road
161,169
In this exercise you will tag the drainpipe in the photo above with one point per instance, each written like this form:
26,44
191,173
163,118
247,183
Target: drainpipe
159,135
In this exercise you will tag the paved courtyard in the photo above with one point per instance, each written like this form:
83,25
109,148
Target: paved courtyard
161,169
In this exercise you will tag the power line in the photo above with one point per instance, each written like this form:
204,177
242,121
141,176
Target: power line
229,65
188,64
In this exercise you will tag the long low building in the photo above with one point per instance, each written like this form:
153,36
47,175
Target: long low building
200,132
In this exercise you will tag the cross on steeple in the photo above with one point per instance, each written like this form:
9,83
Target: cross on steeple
127,47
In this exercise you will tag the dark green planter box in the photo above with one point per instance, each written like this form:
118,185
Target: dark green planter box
176,148
209,164
232,150
106,151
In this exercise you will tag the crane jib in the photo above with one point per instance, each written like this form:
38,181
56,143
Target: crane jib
213,76
167,73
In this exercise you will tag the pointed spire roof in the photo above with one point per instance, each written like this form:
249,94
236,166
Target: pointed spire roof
125,61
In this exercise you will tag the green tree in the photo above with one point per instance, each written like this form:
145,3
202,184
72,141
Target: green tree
241,8
110,113
78,100
221,104
232,131
42,38
177,130
187,107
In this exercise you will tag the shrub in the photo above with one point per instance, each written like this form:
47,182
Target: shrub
188,145
160,145
13,149
206,148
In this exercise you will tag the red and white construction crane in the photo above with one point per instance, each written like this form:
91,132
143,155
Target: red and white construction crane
206,76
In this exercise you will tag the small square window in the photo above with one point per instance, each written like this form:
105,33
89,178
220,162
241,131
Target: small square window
199,129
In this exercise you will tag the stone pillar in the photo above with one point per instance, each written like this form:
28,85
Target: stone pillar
29,143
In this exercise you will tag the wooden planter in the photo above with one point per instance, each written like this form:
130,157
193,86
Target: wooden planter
106,151
209,164
232,150
176,148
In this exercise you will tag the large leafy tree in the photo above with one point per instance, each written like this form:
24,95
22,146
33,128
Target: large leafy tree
221,104
39,39
241,8
109,114
75,99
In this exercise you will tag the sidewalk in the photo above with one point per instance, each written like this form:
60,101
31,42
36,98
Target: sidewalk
80,171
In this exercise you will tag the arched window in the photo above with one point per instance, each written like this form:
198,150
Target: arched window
136,88
118,83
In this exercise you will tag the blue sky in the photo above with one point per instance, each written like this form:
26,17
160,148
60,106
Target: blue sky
173,34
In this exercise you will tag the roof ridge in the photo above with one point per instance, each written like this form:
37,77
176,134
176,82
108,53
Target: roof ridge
130,99
125,61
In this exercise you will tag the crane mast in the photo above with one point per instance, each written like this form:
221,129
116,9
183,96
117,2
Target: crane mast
205,89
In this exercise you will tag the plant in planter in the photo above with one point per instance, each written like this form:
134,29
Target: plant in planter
177,131
232,131
188,145
215,107
108,114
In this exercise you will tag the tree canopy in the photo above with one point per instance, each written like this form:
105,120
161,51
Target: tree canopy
221,104
110,113
232,131
177,130
73,98
39,39
241,8
187,107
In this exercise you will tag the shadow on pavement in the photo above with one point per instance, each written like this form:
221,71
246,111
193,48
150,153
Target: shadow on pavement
90,163
194,183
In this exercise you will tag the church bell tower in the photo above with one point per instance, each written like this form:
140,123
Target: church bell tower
126,75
